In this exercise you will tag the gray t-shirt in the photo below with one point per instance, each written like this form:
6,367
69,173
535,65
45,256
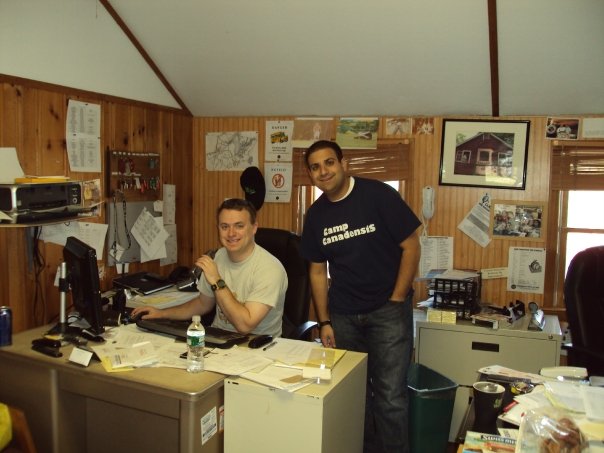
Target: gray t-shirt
259,278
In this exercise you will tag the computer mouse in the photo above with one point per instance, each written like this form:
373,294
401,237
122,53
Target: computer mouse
260,341
132,319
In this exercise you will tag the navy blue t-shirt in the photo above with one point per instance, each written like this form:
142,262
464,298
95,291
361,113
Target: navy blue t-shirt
359,237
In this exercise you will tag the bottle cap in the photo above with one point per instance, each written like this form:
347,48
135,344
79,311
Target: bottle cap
196,318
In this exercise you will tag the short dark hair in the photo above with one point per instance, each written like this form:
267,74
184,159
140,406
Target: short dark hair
237,204
322,144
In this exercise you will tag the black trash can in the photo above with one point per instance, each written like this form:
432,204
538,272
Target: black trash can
431,400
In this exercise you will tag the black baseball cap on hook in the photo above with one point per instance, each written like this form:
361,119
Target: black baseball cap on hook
252,183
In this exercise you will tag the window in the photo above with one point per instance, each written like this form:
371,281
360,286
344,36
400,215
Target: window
389,162
576,200
464,156
584,222
484,156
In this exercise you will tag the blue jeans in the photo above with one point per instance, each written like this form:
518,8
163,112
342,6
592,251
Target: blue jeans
386,335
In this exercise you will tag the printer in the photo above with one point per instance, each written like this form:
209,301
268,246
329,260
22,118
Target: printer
26,203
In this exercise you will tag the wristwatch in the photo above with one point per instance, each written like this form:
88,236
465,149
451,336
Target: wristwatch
218,285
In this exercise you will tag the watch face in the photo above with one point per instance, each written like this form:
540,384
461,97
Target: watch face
218,285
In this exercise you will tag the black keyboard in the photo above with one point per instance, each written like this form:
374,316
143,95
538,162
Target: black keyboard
214,336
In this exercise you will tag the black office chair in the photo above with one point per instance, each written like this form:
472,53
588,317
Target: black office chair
584,300
285,246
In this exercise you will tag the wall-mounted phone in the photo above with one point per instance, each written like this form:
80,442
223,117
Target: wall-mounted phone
427,202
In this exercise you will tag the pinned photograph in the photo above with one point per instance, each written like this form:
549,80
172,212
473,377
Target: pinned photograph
562,128
518,220
359,133
398,127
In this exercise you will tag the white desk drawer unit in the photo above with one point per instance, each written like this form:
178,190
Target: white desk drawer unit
457,351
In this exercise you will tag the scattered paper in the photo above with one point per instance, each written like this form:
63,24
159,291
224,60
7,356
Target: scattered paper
526,269
150,234
234,361
289,379
10,168
83,137
437,253
593,400
168,208
476,223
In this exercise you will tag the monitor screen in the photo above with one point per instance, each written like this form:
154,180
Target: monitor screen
83,280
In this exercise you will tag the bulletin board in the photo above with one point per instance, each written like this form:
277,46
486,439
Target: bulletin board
120,229
137,174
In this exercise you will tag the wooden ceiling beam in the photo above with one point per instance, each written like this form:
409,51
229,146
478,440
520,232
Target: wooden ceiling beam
118,20
494,57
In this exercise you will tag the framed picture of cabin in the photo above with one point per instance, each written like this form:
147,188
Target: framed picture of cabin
484,153
518,220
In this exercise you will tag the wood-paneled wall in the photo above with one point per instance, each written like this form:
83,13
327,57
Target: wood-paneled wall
33,120
452,203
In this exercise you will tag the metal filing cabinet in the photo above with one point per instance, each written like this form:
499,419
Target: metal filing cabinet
327,417
458,350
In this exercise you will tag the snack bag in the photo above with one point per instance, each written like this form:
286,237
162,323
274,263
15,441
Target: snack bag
550,430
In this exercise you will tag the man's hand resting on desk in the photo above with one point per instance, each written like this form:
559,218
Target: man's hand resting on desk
145,313
327,336
180,312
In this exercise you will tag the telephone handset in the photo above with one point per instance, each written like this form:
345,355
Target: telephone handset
428,202
189,283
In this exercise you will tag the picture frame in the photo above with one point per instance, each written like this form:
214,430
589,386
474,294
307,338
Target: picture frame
484,153
518,220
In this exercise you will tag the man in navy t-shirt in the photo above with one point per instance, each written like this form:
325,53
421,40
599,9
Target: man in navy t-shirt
368,235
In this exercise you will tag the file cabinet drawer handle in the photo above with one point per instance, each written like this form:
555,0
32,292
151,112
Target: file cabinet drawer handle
480,346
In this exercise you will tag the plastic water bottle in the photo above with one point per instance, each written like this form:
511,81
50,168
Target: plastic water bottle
196,339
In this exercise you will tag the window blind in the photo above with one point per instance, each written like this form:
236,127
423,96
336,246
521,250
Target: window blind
389,162
577,165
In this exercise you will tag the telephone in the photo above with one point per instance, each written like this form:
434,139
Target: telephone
186,278
537,321
428,202
189,282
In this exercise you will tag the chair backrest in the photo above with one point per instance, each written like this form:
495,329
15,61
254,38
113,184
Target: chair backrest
584,300
285,246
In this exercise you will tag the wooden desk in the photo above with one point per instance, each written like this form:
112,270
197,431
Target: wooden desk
74,409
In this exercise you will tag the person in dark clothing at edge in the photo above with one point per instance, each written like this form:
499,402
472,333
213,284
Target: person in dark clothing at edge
368,235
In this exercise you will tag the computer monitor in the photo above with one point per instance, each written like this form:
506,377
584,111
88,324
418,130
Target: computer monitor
83,279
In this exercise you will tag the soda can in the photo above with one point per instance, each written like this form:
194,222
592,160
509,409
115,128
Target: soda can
6,326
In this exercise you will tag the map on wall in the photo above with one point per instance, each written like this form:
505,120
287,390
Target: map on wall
231,151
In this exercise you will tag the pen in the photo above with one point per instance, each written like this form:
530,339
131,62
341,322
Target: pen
269,346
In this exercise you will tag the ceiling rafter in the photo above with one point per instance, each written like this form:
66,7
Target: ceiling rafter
493,57
144,54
